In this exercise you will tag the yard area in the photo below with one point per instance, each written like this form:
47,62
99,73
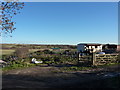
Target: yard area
53,77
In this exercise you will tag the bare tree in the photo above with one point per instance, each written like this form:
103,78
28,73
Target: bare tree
7,11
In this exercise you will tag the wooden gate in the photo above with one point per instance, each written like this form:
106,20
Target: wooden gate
98,59
85,60
106,59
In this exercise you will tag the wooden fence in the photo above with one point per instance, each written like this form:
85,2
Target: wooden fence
105,59
99,59
85,60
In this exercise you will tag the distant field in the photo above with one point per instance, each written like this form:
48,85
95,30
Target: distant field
6,51
10,51
34,50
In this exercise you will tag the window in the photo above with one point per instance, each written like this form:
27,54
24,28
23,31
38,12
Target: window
95,46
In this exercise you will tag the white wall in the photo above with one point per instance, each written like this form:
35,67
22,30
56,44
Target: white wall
82,47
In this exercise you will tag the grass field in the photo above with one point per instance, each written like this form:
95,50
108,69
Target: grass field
34,50
10,51
7,51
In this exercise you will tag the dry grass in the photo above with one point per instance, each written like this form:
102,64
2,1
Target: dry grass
10,51
34,50
7,51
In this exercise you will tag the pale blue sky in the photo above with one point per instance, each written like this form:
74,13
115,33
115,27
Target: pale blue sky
66,23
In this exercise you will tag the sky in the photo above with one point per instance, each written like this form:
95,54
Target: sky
66,23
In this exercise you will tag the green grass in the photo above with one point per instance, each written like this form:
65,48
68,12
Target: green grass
75,68
17,66
110,64
78,68
62,69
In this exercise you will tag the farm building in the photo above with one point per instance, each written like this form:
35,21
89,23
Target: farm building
110,48
89,48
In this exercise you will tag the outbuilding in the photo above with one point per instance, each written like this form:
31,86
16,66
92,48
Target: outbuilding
89,48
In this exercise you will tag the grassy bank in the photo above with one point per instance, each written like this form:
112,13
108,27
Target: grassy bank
62,68
79,68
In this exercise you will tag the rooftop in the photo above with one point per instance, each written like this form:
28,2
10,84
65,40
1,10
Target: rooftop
90,44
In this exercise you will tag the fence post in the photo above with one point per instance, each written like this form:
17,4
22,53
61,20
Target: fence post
119,57
78,56
93,59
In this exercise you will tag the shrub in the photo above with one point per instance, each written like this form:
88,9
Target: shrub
48,51
22,52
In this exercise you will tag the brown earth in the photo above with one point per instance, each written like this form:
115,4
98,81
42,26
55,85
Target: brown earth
53,77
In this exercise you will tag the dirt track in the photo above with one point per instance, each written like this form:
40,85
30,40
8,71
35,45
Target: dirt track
43,77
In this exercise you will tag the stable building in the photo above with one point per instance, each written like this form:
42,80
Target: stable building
110,48
89,48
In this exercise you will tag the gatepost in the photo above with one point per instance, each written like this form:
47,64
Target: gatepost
94,59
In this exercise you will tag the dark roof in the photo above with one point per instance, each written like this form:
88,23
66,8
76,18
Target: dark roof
94,44
110,46
90,44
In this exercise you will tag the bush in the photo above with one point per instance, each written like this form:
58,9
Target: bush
48,52
22,52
